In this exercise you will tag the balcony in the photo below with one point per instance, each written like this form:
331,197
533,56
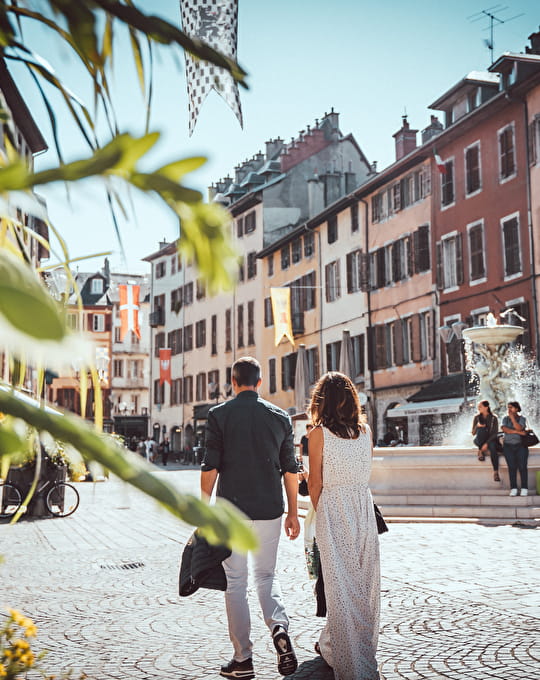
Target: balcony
157,318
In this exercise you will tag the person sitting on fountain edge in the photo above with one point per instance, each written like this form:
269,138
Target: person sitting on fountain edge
485,428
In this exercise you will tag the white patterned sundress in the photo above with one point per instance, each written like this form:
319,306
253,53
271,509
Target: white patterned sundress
348,542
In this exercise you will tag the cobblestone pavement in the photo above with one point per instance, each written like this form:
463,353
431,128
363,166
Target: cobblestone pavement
460,601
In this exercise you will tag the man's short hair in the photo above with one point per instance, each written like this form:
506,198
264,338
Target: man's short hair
246,371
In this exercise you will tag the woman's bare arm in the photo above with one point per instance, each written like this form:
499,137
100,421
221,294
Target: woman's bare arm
315,480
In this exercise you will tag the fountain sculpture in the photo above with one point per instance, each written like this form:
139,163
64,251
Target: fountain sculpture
490,360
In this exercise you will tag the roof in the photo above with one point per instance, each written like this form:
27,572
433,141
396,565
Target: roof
474,78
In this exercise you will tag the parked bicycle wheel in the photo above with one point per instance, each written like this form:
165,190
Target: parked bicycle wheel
10,500
62,500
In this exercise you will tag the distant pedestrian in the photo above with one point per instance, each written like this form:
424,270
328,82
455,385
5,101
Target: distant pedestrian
149,444
304,453
165,450
249,450
514,427
485,428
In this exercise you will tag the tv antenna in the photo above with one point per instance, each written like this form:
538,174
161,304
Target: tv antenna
490,13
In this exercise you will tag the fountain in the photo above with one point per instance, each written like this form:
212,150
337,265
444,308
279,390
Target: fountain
490,360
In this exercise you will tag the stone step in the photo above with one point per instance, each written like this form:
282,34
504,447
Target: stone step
452,498
495,512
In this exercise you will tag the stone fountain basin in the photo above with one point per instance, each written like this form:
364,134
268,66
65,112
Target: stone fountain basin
492,335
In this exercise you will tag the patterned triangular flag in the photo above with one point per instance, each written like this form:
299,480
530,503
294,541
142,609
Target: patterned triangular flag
216,23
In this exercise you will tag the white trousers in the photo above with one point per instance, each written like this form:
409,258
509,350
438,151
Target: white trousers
268,589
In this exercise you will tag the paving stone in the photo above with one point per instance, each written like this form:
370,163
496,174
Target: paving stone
458,600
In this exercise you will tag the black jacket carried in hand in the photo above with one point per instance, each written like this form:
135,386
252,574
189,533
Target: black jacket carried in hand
201,566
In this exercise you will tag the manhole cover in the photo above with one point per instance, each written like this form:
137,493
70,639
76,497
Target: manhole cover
123,567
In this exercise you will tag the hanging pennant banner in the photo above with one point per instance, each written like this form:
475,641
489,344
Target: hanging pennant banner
281,309
216,23
164,366
129,310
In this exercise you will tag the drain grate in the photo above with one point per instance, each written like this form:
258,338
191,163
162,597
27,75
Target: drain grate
122,567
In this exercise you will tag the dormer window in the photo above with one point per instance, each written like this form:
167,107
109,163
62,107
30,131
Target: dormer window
96,286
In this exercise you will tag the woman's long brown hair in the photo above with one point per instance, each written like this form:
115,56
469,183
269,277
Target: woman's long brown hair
335,405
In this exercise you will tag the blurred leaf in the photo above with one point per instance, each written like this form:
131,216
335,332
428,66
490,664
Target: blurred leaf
221,522
176,171
10,442
26,304
169,190
137,57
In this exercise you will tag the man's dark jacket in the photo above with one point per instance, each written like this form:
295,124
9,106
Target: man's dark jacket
249,441
201,566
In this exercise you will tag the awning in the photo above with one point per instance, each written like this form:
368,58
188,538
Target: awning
426,408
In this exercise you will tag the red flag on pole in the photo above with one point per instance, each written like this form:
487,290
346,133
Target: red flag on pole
440,163
129,310
164,366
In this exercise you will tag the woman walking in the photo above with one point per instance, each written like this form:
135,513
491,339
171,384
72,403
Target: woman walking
340,452
514,427
485,428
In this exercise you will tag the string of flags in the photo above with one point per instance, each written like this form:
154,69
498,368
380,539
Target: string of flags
215,22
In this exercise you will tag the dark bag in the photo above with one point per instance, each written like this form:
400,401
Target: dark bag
382,527
529,439
303,488
481,437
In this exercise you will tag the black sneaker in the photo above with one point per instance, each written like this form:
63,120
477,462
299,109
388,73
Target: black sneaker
238,669
287,662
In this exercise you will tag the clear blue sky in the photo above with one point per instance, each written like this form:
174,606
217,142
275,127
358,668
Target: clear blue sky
371,61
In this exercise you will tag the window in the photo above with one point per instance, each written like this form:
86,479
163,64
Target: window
377,207
400,251
358,347
354,218
354,271
332,230
252,265
201,289
200,389
176,391
134,368
116,331
174,260
333,353
188,389
118,368
268,313
285,257
98,323
200,333
272,386
249,222
73,322
426,335
511,246
240,227
296,248
288,370
313,365
213,385
534,140
228,329
333,285
270,261
406,332
405,185
303,294
472,169
161,268
240,324
188,294
241,269
159,343
159,309
174,339
450,262
96,287
477,265
309,244
159,392
251,322
214,334
507,161
422,258
447,184
177,299
188,338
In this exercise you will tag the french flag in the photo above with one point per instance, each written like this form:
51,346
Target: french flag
440,163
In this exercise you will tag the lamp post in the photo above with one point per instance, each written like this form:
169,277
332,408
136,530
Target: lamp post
447,333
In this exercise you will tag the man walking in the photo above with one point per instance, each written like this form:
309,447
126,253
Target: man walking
249,447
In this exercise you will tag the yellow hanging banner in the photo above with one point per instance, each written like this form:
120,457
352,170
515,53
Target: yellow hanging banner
281,309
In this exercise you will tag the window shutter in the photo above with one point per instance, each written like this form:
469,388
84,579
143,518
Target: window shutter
416,350
284,374
440,280
399,328
395,261
349,273
338,280
364,272
372,363
410,255
459,258
380,350
423,254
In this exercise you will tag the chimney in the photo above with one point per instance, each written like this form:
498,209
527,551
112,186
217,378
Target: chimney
315,196
273,148
434,128
405,139
535,43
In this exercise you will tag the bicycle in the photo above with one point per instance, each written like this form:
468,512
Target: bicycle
61,498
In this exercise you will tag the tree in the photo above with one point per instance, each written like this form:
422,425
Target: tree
33,325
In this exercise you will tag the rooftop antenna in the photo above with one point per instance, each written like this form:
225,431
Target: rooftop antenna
490,13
